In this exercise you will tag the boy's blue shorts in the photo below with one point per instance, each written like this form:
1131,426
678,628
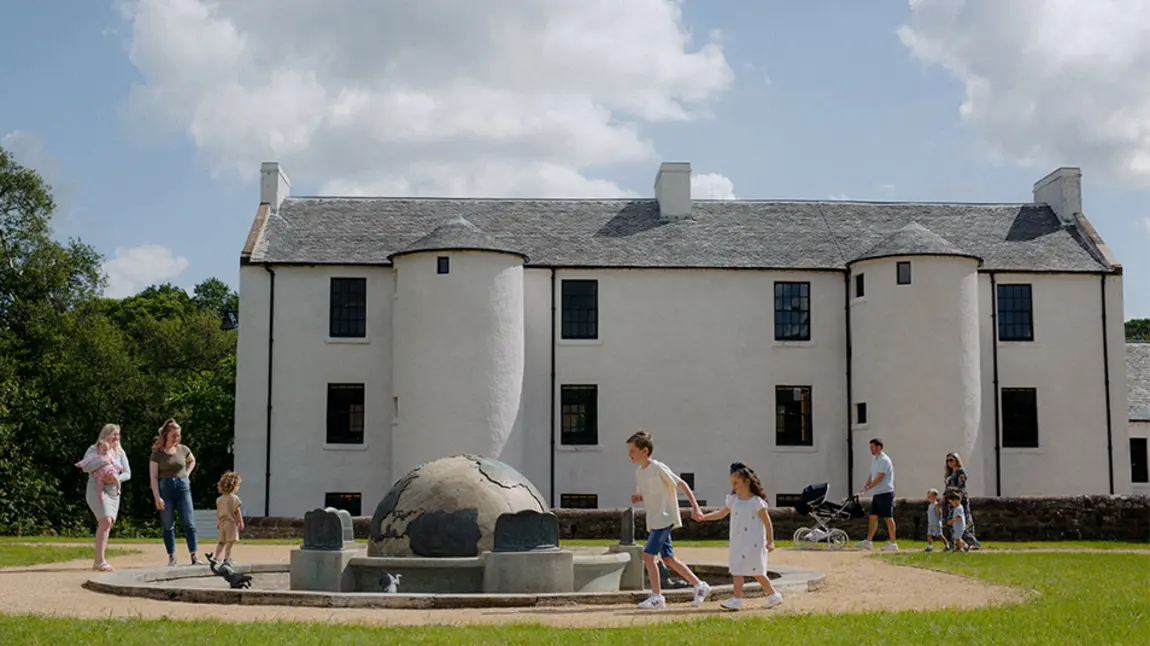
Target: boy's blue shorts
659,542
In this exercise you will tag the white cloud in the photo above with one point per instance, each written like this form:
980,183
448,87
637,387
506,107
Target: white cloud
1048,82
436,97
27,148
135,268
712,186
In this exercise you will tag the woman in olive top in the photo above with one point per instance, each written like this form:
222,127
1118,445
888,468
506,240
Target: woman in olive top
170,466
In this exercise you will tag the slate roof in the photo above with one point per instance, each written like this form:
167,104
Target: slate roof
457,233
1138,380
631,233
912,240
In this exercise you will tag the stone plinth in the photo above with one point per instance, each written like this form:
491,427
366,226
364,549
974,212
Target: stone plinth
322,570
542,571
635,573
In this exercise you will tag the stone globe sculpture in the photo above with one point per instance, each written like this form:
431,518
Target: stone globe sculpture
448,508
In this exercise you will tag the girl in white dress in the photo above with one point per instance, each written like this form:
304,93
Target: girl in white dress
752,535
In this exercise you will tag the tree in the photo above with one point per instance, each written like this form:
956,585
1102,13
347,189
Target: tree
71,361
1138,329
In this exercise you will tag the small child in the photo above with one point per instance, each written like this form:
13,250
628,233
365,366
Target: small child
934,514
656,487
229,518
752,535
109,467
957,520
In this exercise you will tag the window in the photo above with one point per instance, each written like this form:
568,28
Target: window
1015,316
903,273
348,308
793,416
352,503
1139,470
1019,418
580,309
860,286
792,311
580,411
860,413
689,478
443,265
345,413
579,501
787,499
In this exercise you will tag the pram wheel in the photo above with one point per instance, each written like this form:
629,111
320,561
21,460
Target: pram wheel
804,538
838,539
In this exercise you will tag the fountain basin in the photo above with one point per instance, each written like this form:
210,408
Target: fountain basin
270,586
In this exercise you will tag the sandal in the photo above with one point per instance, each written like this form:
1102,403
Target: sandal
104,567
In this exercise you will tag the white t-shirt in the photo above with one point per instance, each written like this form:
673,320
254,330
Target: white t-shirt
658,486
882,464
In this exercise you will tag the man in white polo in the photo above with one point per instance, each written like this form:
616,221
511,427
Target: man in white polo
880,483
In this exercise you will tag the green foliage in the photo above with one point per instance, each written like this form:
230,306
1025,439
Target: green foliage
71,361
1138,329
17,555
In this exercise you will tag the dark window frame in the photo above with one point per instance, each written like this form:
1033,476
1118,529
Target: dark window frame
794,419
342,417
1139,461
579,427
443,265
579,318
899,277
861,413
792,311
1020,428
347,308
579,501
860,285
1015,303
355,498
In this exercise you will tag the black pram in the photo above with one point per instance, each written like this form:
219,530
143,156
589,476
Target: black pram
813,502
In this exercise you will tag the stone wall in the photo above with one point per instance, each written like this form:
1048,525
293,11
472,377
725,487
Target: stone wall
1125,518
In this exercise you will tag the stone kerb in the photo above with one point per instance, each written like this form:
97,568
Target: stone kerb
1026,518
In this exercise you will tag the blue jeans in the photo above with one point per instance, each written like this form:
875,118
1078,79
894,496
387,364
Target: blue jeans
659,542
177,496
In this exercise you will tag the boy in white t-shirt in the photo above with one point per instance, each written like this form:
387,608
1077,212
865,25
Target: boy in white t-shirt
656,487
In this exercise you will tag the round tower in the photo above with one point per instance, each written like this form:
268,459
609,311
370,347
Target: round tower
916,356
457,347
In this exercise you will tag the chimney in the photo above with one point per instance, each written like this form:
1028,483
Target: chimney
673,190
274,185
1062,191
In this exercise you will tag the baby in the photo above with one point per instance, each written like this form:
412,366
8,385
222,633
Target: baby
957,520
934,515
109,467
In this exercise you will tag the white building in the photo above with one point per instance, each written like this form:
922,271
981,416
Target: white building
1138,377
379,333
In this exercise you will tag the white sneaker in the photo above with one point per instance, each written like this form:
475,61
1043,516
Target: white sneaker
654,602
701,592
890,547
734,603
773,600
864,545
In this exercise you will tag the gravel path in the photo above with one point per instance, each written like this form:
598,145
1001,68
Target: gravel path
854,583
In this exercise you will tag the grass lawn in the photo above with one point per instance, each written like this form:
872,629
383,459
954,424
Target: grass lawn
912,546
1083,598
15,554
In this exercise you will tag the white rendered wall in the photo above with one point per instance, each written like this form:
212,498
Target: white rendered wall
459,358
916,365
690,356
304,466
1064,363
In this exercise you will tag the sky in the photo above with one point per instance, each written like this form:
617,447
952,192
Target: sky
150,117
